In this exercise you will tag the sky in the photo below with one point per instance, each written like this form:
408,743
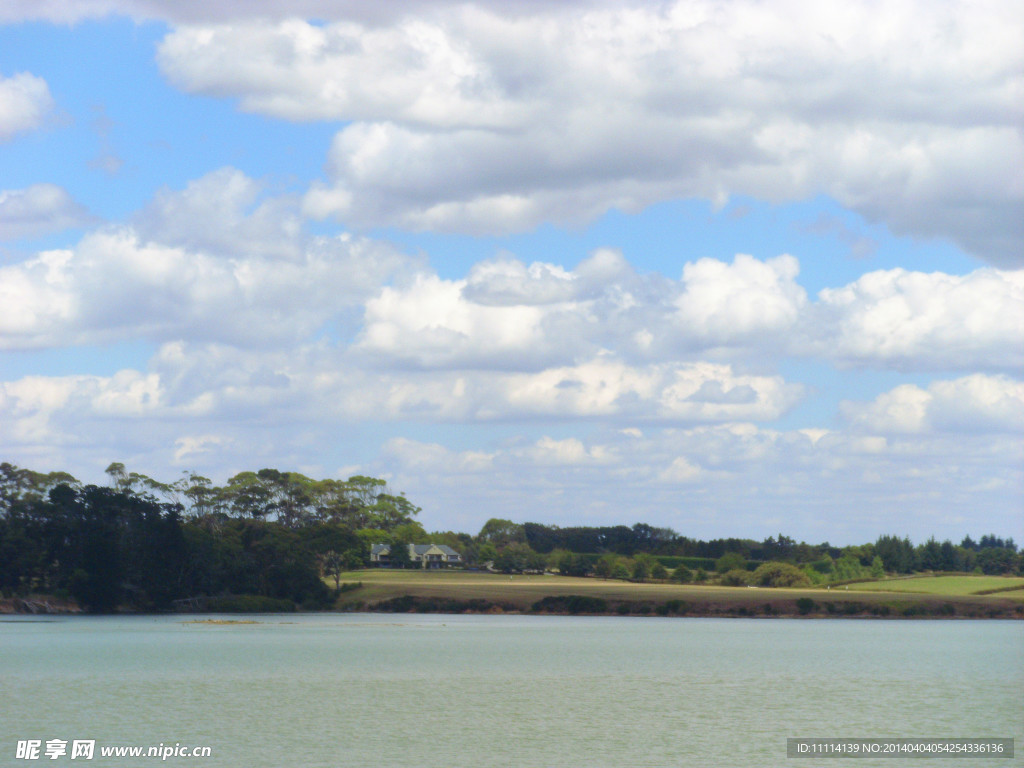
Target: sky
738,269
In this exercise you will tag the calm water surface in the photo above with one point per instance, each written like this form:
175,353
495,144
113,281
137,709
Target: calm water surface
361,689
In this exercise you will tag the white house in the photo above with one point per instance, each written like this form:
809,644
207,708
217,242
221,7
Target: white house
426,555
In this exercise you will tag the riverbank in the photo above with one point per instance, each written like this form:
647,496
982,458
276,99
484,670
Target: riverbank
387,591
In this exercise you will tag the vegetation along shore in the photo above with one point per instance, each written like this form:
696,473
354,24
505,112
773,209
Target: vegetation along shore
280,541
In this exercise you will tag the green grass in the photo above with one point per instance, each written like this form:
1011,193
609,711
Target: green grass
944,585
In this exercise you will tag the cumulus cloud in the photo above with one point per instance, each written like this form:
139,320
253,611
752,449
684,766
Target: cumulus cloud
493,118
227,261
24,102
976,403
224,213
202,264
722,303
507,314
914,320
37,210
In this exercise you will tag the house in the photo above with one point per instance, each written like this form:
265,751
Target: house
424,555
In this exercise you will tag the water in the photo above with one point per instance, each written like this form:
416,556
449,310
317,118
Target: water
356,690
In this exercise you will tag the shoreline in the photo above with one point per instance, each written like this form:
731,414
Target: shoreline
772,606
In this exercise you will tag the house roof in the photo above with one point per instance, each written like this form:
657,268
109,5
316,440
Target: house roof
444,549
418,549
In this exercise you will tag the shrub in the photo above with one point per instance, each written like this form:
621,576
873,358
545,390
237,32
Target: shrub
805,605
677,606
620,571
570,604
775,574
735,578
682,575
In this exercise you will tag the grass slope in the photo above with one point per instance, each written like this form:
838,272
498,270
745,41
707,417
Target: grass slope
946,585
520,592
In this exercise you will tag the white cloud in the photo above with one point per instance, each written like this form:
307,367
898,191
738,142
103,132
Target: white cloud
204,264
680,471
24,102
190,448
224,213
38,209
430,324
913,320
506,314
435,457
568,452
495,117
976,403
694,392
728,479
714,473
722,303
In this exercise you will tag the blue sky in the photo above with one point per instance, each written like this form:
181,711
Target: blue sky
729,269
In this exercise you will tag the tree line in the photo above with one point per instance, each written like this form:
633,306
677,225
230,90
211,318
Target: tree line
144,544
275,537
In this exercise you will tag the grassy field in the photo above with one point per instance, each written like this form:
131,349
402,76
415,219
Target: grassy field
520,592
949,585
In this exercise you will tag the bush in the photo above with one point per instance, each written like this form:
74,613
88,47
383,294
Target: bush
775,574
570,604
805,605
410,604
620,571
735,578
682,575
677,606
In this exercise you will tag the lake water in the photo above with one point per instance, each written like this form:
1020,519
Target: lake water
371,689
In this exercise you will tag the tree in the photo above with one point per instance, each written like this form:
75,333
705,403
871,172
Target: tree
642,566
486,553
398,556
897,554
847,568
877,568
659,572
604,565
389,512
620,570
333,564
501,533
518,557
